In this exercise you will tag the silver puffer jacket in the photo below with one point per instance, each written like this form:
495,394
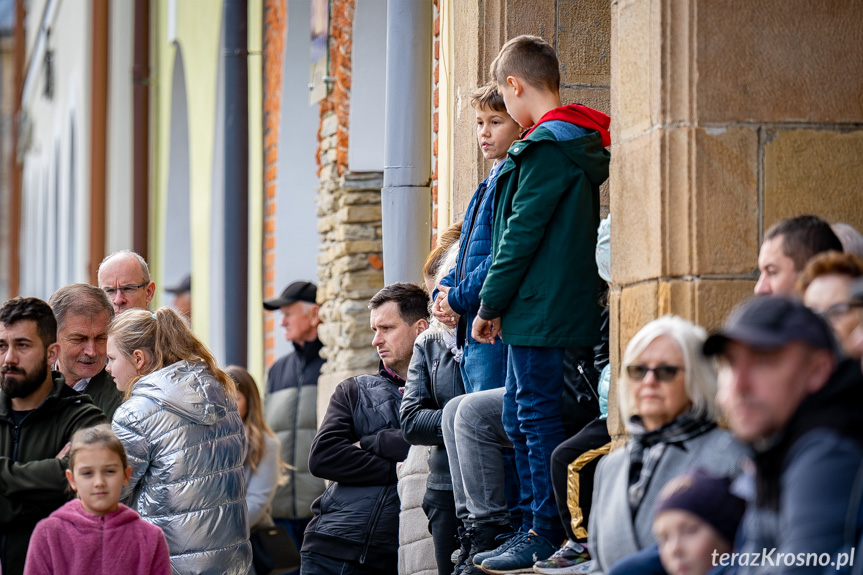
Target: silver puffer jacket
186,445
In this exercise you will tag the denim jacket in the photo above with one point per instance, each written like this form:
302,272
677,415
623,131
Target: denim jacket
474,256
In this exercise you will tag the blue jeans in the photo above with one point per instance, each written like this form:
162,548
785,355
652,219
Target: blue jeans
531,418
483,365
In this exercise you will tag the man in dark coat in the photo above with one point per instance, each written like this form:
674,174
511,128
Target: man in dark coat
356,523
291,405
797,404
38,415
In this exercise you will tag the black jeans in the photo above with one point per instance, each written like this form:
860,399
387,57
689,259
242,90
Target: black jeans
439,507
592,436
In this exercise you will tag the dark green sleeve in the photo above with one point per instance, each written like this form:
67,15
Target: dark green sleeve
534,202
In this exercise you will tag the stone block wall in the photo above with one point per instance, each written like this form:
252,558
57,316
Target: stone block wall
579,30
727,116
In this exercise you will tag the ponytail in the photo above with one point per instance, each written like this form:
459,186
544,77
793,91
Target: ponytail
167,339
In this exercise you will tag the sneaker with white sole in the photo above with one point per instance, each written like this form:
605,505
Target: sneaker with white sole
521,555
567,560
506,539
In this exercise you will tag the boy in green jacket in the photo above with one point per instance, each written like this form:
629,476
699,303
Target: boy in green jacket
541,293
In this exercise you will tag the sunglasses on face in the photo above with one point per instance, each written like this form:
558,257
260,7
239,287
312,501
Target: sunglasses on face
660,372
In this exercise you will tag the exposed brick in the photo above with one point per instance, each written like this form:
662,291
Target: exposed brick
271,156
376,262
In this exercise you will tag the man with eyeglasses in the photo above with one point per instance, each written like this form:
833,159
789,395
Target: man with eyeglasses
856,294
789,397
125,278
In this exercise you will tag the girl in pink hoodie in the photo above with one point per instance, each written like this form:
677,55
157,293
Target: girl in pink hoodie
95,533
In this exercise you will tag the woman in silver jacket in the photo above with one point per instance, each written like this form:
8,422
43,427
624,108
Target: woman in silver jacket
185,441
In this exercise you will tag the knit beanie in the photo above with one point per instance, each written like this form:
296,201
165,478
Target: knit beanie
705,496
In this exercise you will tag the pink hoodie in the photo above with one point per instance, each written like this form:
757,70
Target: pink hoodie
72,541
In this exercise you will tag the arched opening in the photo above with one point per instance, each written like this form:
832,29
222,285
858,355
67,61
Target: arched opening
177,246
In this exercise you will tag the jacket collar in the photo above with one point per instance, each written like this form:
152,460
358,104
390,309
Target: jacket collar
389,374
310,350
60,389
836,406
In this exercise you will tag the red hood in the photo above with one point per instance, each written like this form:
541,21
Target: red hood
580,116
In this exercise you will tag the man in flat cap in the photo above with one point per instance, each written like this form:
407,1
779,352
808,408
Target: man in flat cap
789,395
291,404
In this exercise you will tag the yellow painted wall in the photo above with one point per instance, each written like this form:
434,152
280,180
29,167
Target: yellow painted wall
198,28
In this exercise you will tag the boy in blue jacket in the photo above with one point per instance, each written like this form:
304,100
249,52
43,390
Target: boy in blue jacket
542,289
483,366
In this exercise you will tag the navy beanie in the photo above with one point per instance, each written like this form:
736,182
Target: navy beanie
705,496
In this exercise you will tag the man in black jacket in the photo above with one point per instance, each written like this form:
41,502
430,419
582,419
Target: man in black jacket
38,415
83,313
358,446
796,403
291,405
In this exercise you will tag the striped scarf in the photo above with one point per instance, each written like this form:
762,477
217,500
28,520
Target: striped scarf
648,447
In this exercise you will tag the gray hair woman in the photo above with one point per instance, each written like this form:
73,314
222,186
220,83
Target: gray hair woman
667,392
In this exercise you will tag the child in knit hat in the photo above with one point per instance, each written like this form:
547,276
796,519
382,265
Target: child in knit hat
695,522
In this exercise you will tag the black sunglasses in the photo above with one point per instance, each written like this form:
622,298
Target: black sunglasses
660,372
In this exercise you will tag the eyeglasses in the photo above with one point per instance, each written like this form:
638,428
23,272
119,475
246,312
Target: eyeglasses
125,290
664,373
837,310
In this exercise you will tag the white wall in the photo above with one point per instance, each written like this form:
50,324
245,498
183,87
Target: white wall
297,237
368,82
54,246
120,122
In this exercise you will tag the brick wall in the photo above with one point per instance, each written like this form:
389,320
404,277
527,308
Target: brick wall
274,35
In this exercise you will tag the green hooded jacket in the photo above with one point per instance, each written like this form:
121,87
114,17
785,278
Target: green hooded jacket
543,278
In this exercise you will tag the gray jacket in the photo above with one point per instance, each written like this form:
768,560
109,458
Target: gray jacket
291,411
186,445
613,532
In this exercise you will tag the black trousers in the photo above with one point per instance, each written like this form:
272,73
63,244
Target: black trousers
439,507
592,436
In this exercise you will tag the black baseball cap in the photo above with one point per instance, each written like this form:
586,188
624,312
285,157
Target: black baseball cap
184,286
297,291
770,322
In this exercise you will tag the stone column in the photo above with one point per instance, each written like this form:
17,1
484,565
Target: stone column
726,117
